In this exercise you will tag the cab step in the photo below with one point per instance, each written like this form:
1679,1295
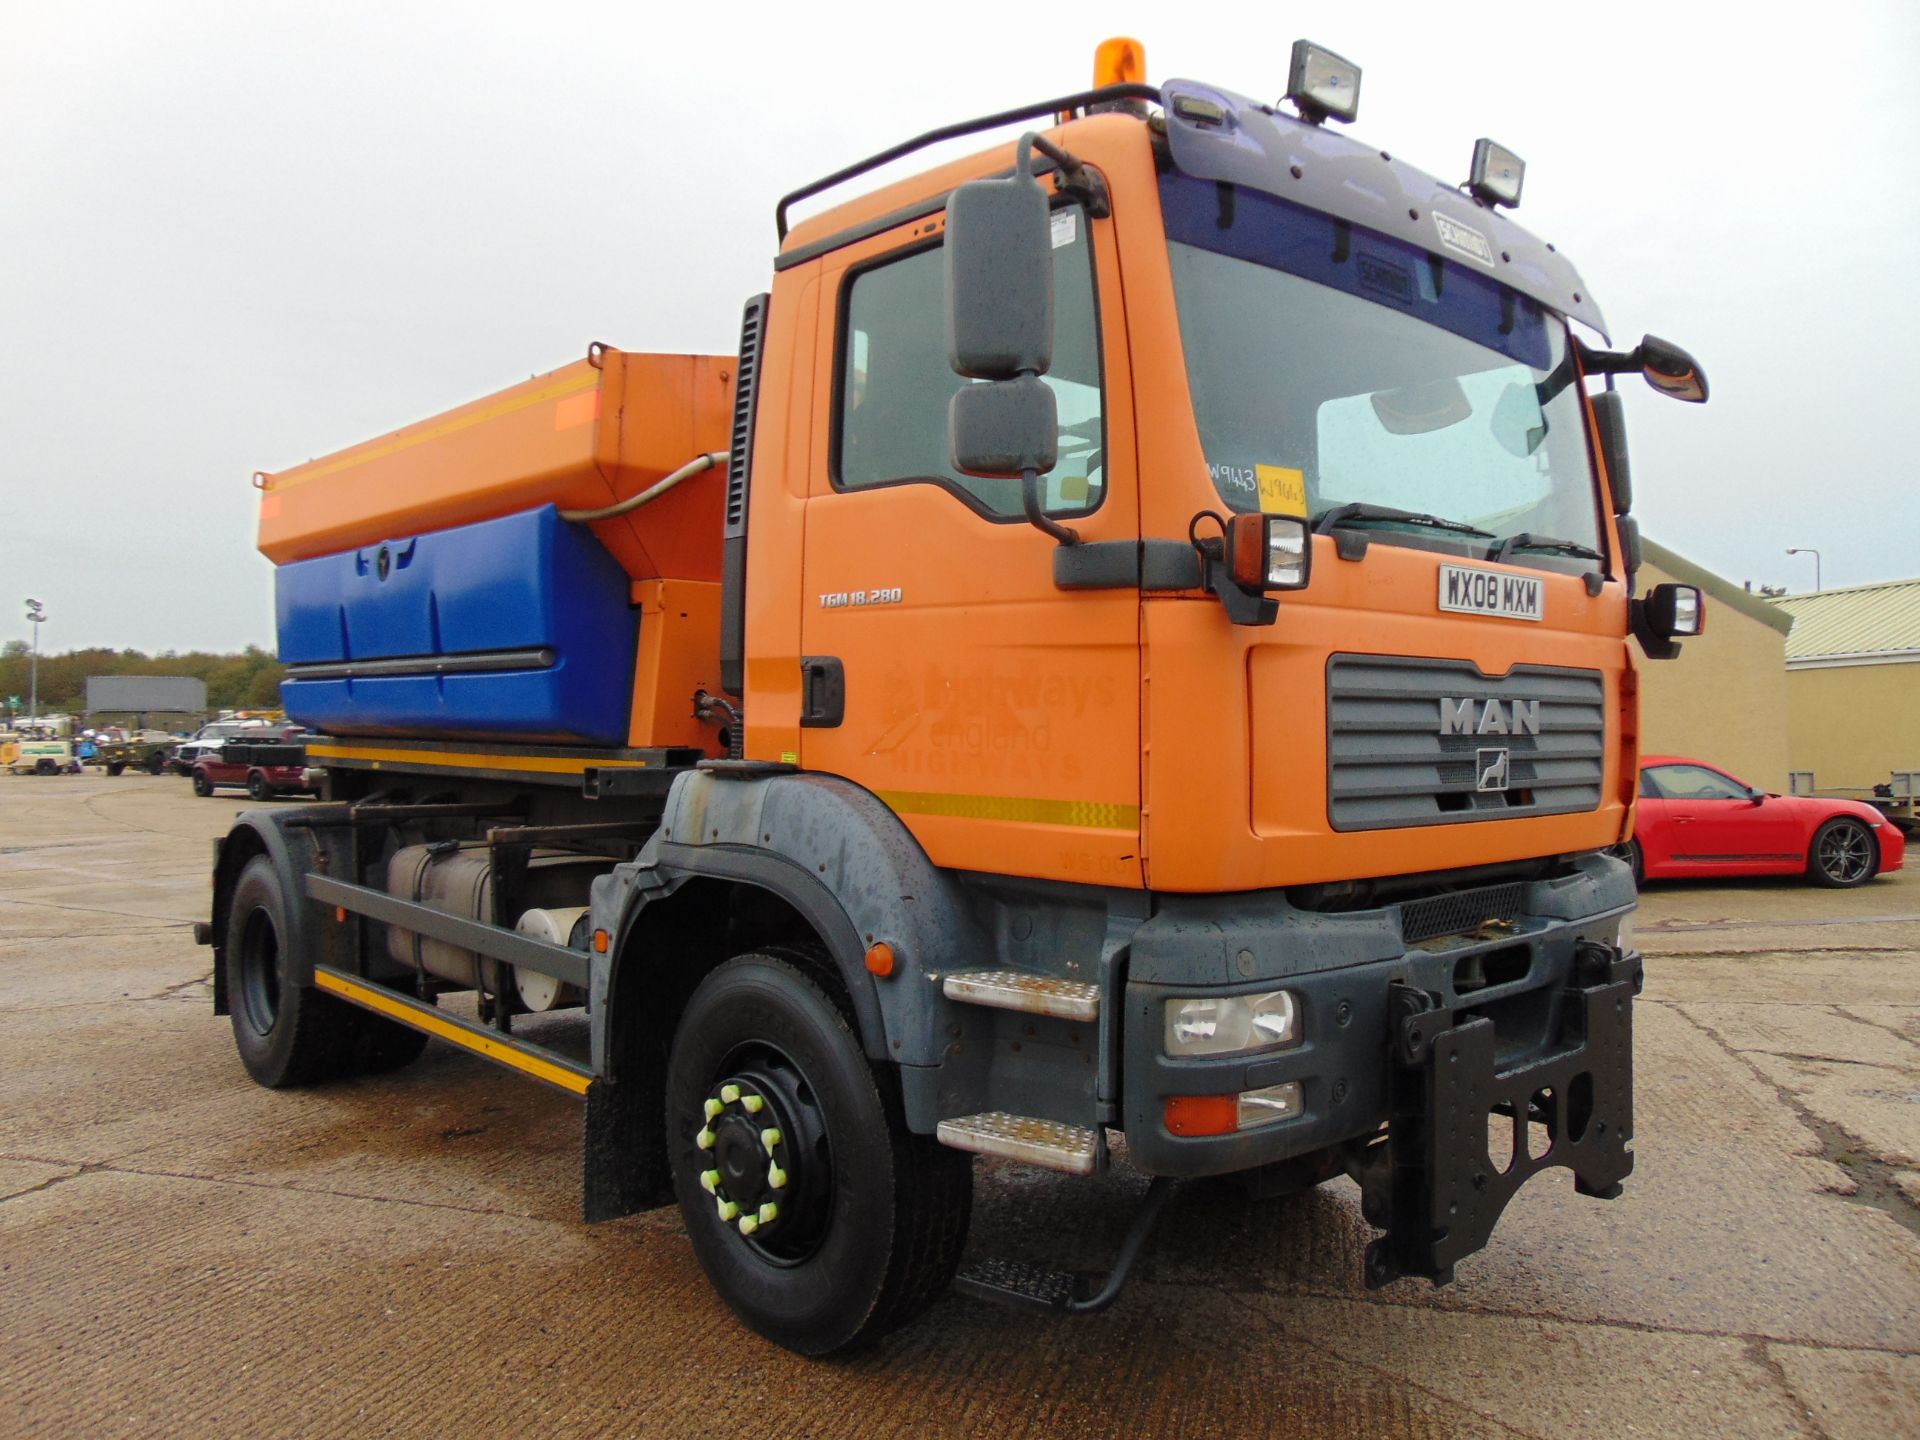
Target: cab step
1070,1149
1022,1285
1029,994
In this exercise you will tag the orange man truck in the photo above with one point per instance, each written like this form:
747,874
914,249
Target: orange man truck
1134,644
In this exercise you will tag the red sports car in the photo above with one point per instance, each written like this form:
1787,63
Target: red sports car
1697,820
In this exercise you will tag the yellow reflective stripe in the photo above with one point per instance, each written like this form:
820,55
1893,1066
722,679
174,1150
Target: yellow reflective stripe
480,1044
1089,814
471,759
379,450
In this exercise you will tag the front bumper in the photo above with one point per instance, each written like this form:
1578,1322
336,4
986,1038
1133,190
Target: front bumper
1342,968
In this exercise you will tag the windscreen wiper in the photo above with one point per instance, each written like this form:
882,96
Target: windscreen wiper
1364,514
1525,541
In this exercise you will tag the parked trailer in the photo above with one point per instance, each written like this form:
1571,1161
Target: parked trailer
1124,751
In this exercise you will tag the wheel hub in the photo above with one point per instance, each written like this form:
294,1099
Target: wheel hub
762,1149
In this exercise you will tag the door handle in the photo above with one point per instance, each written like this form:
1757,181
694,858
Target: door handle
823,692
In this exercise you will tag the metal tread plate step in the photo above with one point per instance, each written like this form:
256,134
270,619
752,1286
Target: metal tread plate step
1029,994
1019,1283
1071,1149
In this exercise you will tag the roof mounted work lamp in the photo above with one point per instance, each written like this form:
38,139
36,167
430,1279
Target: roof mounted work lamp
1497,174
1321,85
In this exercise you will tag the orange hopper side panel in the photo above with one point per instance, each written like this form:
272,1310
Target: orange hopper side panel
581,437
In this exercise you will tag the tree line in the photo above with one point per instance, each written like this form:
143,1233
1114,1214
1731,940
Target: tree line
248,680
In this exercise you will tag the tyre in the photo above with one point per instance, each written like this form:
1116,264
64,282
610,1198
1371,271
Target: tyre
286,1034
1630,852
1843,854
257,786
116,767
202,786
46,767
818,1217
291,1034
157,763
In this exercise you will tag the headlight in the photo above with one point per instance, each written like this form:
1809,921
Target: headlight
1232,1024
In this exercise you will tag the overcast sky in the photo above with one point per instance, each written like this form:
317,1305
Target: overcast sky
236,236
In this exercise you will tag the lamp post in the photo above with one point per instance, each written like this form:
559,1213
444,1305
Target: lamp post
1809,550
36,612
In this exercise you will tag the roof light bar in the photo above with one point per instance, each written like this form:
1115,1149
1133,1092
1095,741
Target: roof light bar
1322,85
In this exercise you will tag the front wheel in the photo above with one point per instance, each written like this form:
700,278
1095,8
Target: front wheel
817,1215
202,786
115,767
1842,855
257,787
157,763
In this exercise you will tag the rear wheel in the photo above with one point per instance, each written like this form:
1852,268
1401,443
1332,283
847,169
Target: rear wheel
257,786
157,763
46,767
288,1033
114,767
202,786
820,1219
1842,855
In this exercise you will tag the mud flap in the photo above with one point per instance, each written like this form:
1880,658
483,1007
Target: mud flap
1431,1184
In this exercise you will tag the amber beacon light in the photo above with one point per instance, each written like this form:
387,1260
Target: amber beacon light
1119,61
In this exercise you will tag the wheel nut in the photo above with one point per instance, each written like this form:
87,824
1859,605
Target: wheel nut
776,1178
748,1224
769,1212
713,1108
751,1104
704,1139
710,1180
728,1210
729,1093
770,1138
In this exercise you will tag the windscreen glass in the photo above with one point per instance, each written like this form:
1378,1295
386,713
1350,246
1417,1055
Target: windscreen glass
1330,365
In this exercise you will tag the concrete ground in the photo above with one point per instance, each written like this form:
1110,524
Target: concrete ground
182,1253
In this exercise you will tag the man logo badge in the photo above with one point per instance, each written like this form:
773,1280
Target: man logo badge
1495,769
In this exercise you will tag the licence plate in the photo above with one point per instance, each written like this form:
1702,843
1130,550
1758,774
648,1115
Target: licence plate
1491,592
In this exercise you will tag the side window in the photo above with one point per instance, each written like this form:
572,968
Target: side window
1650,784
1696,782
895,383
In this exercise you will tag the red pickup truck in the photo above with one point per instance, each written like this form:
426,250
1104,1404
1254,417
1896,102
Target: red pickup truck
263,767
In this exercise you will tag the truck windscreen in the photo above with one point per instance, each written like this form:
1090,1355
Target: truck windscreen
1330,365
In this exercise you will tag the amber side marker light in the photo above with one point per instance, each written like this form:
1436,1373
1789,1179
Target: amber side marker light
880,959
600,942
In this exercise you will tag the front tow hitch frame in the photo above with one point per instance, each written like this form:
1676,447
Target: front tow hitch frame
1430,1182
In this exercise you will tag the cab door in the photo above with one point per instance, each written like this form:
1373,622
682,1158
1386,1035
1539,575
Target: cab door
998,715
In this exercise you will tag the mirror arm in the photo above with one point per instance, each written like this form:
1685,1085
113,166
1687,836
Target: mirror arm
1607,362
1074,177
1038,517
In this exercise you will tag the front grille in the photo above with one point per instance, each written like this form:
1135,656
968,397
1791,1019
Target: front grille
1461,913
1388,764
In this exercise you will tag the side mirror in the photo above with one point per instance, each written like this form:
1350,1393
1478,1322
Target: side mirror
999,279
1671,370
999,275
1758,797
1610,421
1004,428
1666,367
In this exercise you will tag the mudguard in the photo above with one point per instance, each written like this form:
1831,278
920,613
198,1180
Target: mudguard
840,858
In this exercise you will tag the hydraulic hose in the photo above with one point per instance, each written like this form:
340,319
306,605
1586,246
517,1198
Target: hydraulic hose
695,466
